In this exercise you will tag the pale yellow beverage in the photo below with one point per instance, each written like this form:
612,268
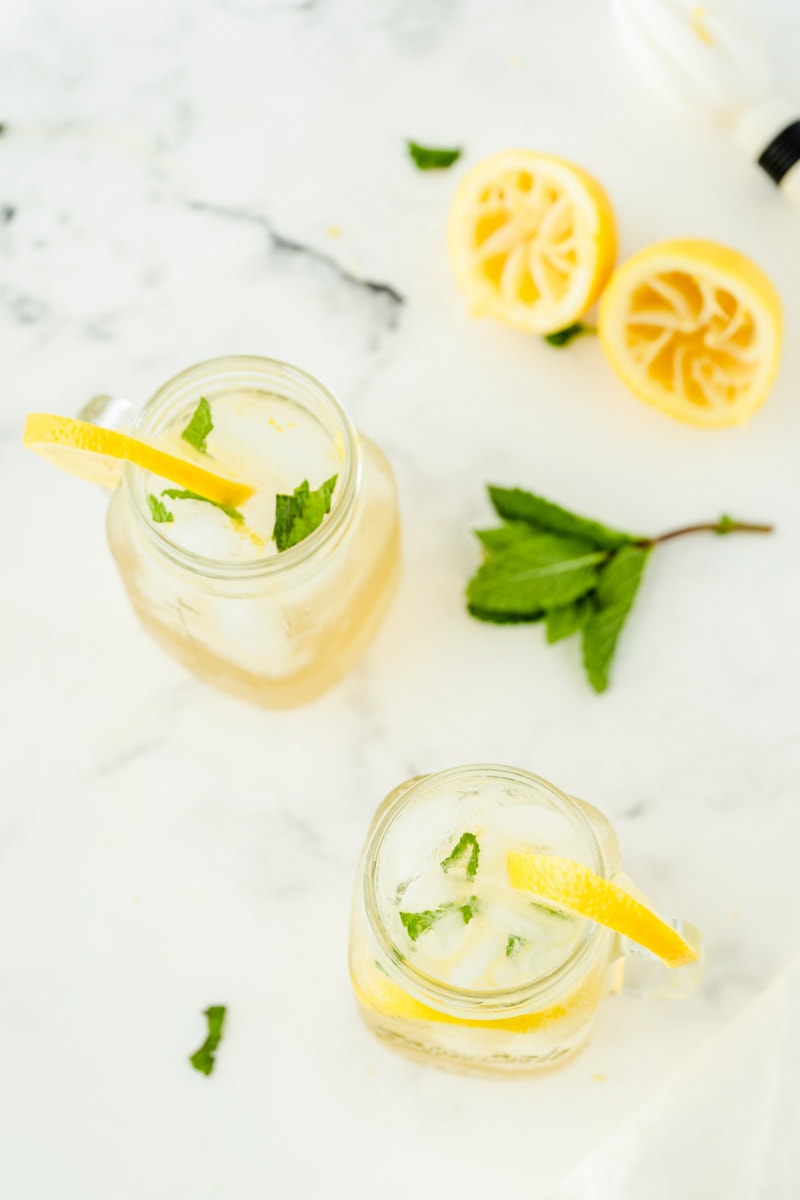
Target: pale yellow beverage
449,962
274,626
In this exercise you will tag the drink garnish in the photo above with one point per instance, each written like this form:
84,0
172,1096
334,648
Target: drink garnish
467,841
431,158
417,923
203,1059
158,509
185,494
577,575
199,427
574,887
97,455
515,942
298,515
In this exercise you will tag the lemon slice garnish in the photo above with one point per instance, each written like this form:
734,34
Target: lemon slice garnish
693,328
98,455
532,240
572,886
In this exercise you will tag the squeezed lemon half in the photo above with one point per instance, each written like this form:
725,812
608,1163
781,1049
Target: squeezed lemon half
573,886
98,455
693,328
532,240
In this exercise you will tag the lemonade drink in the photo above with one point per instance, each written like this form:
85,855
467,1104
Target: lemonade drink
276,626
448,961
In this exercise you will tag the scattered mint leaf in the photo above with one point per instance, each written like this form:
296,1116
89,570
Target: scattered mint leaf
515,942
514,504
469,909
185,494
540,573
158,509
429,158
563,337
567,619
467,841
298,515
199,427
203,1059
616,592
552,912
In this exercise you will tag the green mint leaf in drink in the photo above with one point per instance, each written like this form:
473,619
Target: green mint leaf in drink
566,619
298,515
466,847
203,1059
563,337
469,909
431,158
613,600
158,510
514,504
199,427
185,494
515,942
417,923
543,572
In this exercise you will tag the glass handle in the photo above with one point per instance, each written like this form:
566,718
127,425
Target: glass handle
110,412
642,973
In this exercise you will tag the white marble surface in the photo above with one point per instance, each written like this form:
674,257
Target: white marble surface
168,179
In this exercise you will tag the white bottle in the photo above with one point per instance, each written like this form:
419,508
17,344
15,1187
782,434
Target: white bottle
711,64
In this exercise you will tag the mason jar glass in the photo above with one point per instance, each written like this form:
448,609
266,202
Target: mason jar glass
276,629
541,1020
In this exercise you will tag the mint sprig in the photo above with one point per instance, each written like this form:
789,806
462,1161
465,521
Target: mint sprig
577,575
432,158
468,842
203,1059
298,515
199,427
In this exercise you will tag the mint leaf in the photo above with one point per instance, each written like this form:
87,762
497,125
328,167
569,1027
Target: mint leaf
563,337
298,515
542,572
515,942
469,909
418,922
514,504
505,536
203,1059
616,592
429,158
199,427
467,841
567,619
185,494
158,509
503,618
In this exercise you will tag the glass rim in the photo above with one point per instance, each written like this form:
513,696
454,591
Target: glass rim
495,1003
275,372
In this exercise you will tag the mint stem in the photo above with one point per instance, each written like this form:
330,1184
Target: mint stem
724,526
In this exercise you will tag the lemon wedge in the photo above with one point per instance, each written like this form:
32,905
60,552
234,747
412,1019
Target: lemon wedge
573,886
532,240
693,328
98,455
